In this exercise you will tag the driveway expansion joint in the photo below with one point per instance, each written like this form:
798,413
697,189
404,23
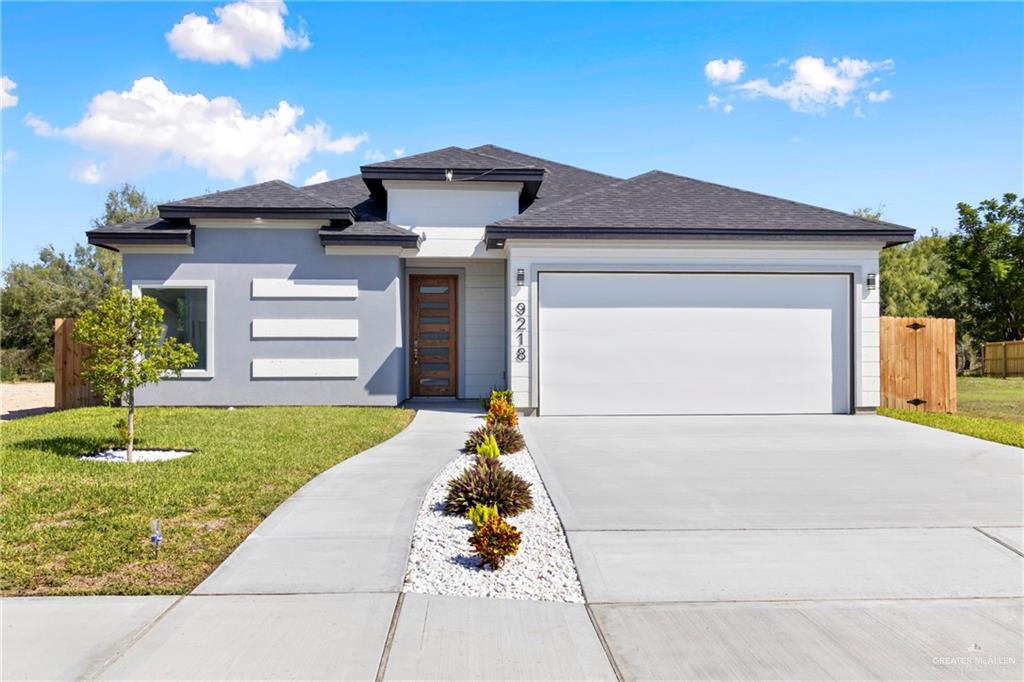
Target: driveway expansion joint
389,641
1000,542
132,641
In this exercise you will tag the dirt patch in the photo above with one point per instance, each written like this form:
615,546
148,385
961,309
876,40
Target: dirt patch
25,399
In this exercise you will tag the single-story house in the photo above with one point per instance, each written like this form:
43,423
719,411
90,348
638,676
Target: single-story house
455,271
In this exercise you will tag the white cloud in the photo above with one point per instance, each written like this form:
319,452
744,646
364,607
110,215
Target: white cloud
718,71
7,96
318,177
8,158
241,32
39,126
88,173
815,86
151,125
714,102
375,155
883,96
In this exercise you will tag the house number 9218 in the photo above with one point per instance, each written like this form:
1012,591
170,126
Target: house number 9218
520,331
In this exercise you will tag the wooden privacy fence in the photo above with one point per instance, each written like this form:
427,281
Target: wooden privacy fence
1004,359
918,363
70,389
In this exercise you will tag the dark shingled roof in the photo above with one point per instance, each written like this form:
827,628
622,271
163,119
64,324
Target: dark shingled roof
570,203
562,181
351,192
154,230
275,194
452,158
662,203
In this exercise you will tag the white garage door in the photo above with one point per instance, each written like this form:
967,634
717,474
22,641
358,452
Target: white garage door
693,343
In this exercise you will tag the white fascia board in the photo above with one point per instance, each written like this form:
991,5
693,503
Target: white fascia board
462,185
548,247
305,288
260,223
305,368
305,329
367,250
155,248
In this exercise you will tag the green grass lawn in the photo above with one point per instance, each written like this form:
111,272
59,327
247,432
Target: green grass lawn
74,527
987,408
992,398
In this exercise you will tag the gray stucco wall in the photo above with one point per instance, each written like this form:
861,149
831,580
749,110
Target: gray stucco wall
233,258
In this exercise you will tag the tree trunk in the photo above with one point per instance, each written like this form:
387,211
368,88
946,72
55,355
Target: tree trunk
131,426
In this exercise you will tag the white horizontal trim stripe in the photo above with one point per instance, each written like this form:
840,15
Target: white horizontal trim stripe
305,288
305,329
305,368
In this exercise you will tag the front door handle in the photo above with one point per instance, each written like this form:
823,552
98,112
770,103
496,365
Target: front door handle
415,352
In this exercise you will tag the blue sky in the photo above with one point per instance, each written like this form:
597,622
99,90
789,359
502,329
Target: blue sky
617,88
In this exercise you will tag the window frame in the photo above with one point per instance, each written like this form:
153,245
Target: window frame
139,284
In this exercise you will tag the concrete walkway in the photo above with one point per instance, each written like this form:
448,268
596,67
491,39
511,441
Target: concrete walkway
314,593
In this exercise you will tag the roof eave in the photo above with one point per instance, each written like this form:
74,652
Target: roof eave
335,237
531,178
113,240
497,235
194,213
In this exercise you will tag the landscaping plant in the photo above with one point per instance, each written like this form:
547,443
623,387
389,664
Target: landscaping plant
479,514
127,351
502,412
494,542
488,483
508,438
496,394
489,448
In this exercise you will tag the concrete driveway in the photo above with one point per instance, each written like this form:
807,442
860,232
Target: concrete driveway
792,547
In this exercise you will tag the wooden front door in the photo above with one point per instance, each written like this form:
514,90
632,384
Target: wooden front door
433,315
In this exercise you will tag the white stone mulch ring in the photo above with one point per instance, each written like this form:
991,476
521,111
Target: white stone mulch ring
441,559
121,455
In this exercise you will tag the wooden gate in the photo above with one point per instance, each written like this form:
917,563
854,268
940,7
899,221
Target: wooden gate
70,389
918,363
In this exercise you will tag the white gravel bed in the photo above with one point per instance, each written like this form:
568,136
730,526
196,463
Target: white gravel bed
139,455
441,559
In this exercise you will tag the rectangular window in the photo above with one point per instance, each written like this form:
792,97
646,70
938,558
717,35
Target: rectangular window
185,317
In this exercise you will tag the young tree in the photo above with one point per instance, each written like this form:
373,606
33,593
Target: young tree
128,351
986,256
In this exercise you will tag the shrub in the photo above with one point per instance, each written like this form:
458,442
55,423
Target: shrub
508,438
502,412
479,514
496,394
495,541
489,448
488,483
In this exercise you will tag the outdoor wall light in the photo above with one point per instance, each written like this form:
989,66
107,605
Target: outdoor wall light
872,281
520,276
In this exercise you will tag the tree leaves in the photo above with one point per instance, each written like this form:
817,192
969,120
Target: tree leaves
128,348
986,258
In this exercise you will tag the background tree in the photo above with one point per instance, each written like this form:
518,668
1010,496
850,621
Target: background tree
915,280
60,285
128,350
986,255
